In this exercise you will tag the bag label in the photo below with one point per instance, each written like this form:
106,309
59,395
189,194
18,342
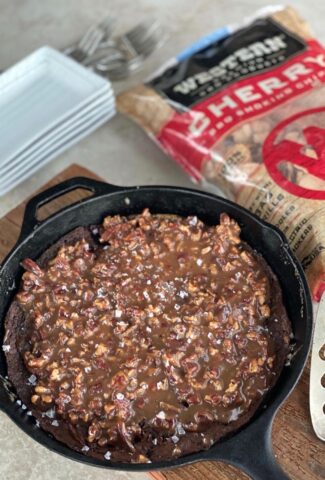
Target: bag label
292,162
259,48
209,120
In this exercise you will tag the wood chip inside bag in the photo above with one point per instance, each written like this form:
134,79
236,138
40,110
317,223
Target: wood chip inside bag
246,113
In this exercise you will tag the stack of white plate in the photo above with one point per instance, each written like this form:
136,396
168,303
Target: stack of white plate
48,102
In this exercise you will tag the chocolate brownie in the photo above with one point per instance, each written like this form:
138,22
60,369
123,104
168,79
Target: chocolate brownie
146,338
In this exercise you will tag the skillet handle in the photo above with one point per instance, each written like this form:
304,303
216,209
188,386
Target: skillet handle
262,466
251,451
30,220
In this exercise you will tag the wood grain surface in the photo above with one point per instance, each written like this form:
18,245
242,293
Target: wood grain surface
296,447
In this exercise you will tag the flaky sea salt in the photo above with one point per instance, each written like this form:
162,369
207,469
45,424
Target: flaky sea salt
24,407
193,221
179,429
6,348
183,294
146,295
101,292
18,402
85,448
148,282
49,413
108,455
118,313
210,335
176,306
161,415
155,441
32,380
119,396
199,262
127,201
55,423
29,413
148,329
175,439
37,424
87,369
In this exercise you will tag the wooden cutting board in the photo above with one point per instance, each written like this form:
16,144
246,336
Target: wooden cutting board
296,447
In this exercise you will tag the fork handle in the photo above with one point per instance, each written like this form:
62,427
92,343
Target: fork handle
104,55
121,44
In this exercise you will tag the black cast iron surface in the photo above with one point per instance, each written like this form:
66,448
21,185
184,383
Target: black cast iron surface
249,448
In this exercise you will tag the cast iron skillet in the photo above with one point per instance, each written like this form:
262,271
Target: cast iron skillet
250,448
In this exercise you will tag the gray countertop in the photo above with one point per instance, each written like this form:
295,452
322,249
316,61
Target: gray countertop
118,151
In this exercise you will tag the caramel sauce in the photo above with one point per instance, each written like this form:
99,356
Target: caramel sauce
163,323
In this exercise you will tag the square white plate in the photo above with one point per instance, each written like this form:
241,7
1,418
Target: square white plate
89,126
42,143
23,168
39,92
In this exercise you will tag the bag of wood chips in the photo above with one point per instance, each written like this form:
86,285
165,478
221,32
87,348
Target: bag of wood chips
246,112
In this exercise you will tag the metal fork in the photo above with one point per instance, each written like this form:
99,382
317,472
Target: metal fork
91,40
127,53
133,42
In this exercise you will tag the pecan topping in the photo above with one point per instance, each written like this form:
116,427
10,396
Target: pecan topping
165,322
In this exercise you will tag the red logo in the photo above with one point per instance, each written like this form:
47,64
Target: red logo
294,154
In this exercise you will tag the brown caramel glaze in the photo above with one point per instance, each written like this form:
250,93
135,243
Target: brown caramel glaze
152,343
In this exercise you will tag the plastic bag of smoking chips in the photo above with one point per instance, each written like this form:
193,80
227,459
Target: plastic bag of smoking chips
244,110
